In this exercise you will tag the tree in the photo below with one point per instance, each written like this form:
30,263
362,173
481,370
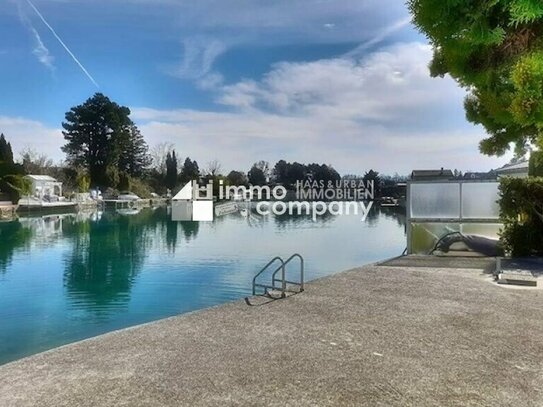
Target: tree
280,171
190,170
171,170
256,176
322,172
36,163
101,138
213,168
237,178
6,153
158,156
296,172
494,49
264,166
374,177
134,158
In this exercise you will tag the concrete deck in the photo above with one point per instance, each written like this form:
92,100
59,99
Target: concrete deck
375,336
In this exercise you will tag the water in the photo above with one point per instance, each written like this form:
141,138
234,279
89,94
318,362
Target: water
64,278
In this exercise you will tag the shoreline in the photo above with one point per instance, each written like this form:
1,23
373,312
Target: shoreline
375,335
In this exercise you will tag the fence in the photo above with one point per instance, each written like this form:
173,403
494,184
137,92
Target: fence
437,208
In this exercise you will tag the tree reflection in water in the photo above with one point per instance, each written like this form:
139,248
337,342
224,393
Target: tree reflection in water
108,254
13,236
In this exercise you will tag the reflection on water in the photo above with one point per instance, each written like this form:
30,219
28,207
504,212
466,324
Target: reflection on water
68,277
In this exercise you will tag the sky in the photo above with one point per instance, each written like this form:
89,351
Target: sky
341,82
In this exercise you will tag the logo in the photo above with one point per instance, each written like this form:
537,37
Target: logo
193,203
313,198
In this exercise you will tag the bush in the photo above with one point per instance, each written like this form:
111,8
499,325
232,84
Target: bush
140,188
536,164
83,183
521,210
10,169
15,186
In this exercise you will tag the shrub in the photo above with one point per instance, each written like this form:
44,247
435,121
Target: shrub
536,164
521,210
83,183
140,188
15,186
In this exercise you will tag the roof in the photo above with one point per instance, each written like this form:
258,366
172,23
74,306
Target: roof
432,173
46,178
521,167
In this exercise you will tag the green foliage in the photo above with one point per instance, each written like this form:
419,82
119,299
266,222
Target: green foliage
494,49
15,186
190,171
83,183
236,178
527,79
6,153
536,164
125,182
171,170
10,169
521,210
287,173
101,138
140,188
256,176
373,176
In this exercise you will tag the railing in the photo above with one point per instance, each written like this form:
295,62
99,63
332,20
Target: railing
283,281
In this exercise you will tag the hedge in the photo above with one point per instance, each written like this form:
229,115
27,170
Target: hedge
521,210
536,164
15,186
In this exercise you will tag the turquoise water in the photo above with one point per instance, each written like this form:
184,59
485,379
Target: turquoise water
64,278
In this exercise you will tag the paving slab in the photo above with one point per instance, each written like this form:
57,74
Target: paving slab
373,336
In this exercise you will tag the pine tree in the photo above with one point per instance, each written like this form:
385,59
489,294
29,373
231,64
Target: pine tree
494,49
102,138
190,171
171,170
6,153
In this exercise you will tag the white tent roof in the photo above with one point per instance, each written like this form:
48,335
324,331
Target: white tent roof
46,178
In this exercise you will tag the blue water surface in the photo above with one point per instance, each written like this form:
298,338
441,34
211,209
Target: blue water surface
64,278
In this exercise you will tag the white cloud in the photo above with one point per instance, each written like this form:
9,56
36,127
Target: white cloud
387,85
383,111
199,54
23,133
41,52
210,81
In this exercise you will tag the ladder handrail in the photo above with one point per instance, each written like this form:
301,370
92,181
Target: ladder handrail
295,255
263,269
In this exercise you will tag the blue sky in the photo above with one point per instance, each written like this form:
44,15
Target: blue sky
338,81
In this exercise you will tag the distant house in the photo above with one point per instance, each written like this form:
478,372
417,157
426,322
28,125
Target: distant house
516,170
431,175
44,186
491,175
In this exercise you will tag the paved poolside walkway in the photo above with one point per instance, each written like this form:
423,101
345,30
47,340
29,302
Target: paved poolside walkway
374,336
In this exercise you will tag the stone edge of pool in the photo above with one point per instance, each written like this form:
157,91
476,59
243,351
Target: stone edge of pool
198,349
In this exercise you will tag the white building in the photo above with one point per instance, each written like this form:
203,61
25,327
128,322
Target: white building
44,186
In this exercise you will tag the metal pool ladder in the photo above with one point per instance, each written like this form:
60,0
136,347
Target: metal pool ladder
280,284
